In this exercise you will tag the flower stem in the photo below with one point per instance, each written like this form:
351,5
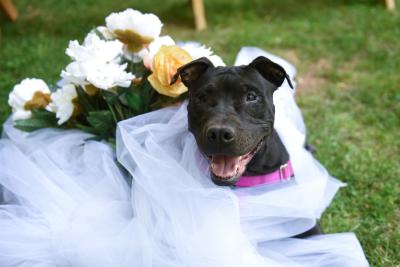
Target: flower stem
112,112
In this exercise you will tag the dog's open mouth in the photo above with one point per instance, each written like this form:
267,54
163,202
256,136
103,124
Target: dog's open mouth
227,169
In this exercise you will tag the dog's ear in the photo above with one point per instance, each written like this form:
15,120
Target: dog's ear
270,71
192,71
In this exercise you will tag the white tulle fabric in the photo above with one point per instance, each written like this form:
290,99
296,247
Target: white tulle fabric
68,203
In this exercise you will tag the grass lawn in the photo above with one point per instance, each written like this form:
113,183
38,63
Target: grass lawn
348,57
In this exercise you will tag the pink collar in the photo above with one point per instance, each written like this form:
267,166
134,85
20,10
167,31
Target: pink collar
284,173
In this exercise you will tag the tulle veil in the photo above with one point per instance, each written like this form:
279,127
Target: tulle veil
66,202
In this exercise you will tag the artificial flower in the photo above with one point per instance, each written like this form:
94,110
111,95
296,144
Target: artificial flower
165,64
197,51
76,73
64,103
103,76
110,75
96,63
135,29
95,50
27,95
149,53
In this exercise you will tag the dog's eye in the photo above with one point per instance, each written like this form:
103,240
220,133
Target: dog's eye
251,97
200,98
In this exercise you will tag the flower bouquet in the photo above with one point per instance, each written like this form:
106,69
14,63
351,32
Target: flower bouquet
120,70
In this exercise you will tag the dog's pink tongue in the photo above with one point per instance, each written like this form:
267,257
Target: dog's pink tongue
224,166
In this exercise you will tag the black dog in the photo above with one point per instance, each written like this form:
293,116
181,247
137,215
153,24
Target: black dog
231,114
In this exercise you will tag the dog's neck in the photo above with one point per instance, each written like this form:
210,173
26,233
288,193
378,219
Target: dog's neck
269,158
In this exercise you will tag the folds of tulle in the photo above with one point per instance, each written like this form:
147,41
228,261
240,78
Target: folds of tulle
69,203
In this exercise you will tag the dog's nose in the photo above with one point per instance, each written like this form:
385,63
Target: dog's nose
220,134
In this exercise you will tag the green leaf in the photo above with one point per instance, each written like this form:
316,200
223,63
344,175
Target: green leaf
40,119
30,125
137,68
148,94
133,100
44,114
103,122
87,129
110,97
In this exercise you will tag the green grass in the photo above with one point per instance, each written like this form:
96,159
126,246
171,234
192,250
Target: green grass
348,57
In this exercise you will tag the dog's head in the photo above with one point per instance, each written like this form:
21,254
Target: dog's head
230,111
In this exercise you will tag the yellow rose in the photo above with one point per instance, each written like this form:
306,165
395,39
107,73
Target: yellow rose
165,64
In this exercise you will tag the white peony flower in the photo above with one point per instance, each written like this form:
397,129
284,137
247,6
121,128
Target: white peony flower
29,94
95,49
96,62
149,53
63,102
110,75
76,73
133,28
197,51
102,76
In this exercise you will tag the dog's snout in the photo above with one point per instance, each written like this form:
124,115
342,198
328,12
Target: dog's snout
220,134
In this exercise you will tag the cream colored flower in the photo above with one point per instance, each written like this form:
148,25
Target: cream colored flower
135,29
149,53
197,51
165,64
27,95
64,103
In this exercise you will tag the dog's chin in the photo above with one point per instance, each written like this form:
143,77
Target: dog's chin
227,170
224,181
